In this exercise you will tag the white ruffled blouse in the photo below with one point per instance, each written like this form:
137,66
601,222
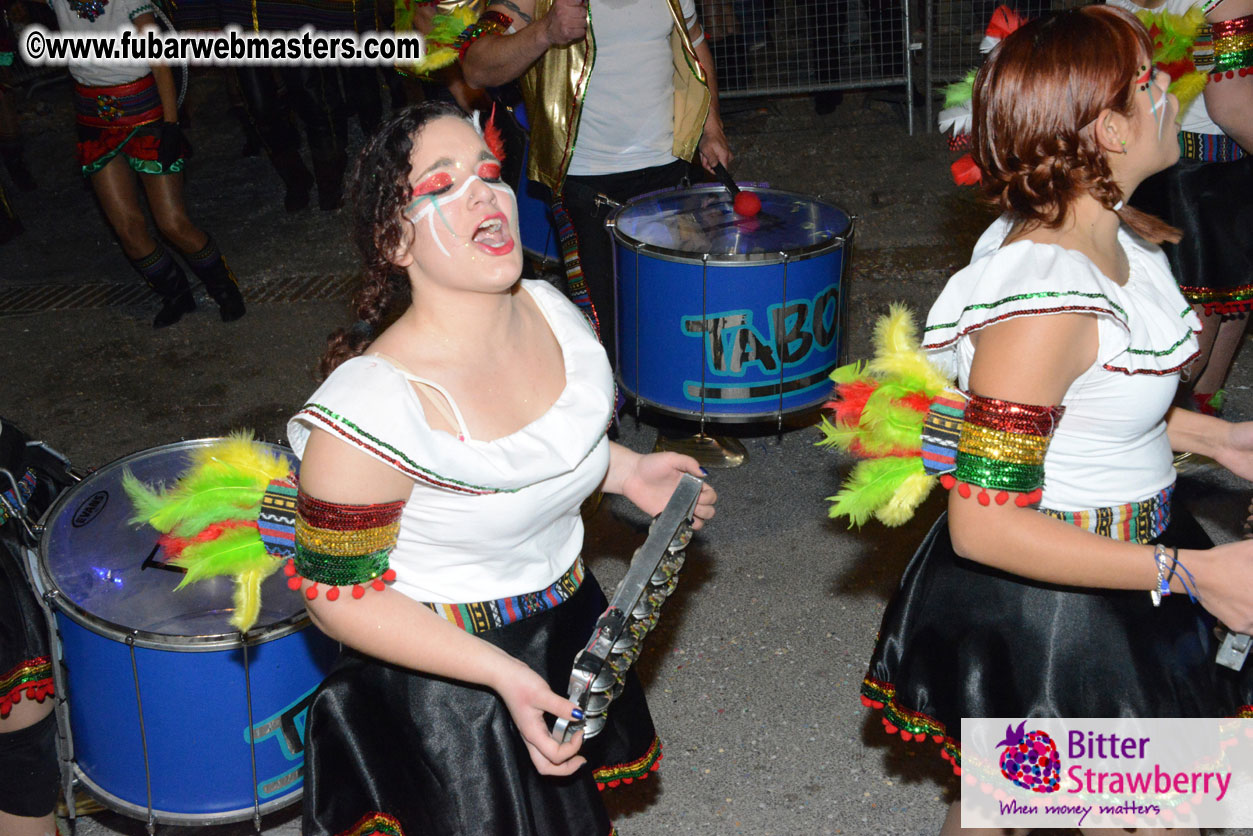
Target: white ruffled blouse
1110,446
486,519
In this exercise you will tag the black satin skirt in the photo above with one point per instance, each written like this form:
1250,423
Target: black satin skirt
391,751
1213,204
963,640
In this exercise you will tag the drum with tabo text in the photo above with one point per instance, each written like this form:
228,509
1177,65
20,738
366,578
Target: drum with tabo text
726,317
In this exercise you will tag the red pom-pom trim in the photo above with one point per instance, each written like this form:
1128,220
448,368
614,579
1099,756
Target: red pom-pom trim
957,770
947,480
1002,498
312,591
889,728
984,499
389,575
293,582
289,568
963,490
378,584
332,593
357,590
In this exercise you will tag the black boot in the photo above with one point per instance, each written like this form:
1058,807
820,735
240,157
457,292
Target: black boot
296,178
161,273
11,152
211,269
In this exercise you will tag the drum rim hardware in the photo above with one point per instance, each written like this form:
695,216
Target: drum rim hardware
838,240
654,570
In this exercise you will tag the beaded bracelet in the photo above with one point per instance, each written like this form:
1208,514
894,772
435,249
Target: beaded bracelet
489,23
1167,574
342,545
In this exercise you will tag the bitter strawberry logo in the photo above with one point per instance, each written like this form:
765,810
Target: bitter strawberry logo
1030,759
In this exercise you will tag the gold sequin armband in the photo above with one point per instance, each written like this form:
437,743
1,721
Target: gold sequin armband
1002,449
1233,48
343,545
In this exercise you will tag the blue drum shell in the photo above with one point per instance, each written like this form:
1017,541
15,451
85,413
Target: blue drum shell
724,318
155,677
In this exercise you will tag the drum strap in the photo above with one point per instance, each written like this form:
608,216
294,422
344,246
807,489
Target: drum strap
576,287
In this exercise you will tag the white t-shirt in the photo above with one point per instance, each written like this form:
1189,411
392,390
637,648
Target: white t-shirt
1110,446
628,111
1196,118
100,17
486,519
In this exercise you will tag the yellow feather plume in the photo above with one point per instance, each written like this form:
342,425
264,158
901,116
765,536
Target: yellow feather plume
899,353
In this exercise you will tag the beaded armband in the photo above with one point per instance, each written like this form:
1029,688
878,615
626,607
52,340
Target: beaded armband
343,545
489,23
1233,48
1002,449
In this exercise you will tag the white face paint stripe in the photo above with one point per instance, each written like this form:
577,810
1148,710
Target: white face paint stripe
434,202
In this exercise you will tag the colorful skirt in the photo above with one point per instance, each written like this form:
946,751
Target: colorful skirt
961,639
120,119
1212,202
396,752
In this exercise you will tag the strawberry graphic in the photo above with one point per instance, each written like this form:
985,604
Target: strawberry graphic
1030,759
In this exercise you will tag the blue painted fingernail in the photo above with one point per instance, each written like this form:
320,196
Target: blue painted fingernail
704,472
577,713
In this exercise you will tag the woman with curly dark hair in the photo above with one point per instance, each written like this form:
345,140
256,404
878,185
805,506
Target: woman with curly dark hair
1066,335
443,464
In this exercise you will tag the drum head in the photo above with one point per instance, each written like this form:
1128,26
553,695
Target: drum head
110,574
688,224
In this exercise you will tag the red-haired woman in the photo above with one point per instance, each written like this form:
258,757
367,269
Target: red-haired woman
128,130
1068,333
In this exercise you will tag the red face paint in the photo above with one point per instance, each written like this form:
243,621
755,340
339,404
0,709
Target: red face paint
437,182
489,171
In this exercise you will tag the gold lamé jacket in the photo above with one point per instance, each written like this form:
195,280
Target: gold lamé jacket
554,87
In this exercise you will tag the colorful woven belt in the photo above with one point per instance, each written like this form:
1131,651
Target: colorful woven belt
488,615
1134,522
118,106
1209,148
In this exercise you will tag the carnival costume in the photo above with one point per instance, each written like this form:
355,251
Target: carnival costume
489,539
1209,192
30,479
962,639
119,112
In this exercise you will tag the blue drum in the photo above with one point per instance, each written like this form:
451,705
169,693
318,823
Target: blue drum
173,716
725,317
535,220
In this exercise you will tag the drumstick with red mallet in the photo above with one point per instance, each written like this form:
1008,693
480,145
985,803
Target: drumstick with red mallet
745,204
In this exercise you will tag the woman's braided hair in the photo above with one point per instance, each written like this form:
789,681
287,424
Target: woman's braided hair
1036,103
379,192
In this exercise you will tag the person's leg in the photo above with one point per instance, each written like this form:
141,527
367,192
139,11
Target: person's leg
11,141
165,198
315,98
1221,337
28,760
259,89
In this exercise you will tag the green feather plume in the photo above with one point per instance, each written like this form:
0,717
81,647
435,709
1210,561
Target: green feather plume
208,517
871,485
879,412
960,92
